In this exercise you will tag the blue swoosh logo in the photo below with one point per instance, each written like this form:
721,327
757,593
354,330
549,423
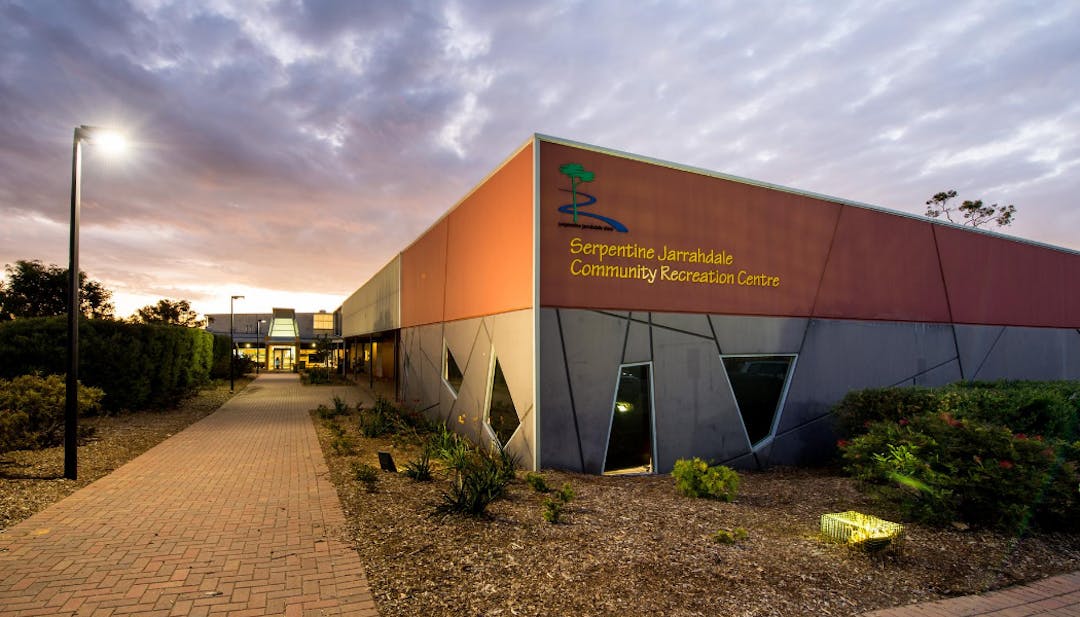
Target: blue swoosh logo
569,209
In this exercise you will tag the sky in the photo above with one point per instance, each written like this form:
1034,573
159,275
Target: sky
286,150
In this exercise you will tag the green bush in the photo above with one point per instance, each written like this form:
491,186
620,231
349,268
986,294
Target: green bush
729,536
419,469
938,467
32,410
316,376
695,478
1050,409
537,482
479,478
367,475
137,365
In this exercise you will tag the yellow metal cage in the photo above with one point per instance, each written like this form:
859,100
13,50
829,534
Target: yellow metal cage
861,530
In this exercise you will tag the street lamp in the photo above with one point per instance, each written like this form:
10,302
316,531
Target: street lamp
232,346
258,339
111,140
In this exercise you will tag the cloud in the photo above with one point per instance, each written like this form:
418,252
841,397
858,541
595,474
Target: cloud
297,145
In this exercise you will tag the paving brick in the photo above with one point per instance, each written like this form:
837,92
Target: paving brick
232,516
1056,596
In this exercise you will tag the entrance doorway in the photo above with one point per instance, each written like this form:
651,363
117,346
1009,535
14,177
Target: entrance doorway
630,440
281,358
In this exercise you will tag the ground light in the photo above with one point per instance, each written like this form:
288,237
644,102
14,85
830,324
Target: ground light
112,142
861,530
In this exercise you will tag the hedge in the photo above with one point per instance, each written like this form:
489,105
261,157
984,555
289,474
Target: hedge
137,365
32,410
1003,455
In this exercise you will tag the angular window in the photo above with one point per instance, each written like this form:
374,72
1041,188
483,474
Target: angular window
451,373
630,439
502,416
759,384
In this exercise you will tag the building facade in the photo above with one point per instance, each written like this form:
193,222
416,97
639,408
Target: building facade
282,339
602,312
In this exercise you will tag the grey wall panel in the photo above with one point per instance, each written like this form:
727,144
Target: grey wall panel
758,335
375,307
840,356
813,442
430,338
594,345
512,338
559,438
694,408
638,343
467,415
460,340
687,322
939,376
1032,353
975,343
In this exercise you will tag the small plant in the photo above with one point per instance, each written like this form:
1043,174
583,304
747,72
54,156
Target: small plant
479,479
367,475
342,445
420,469
729,536
340,406
380,420
695,478
552,511
537,482
553,506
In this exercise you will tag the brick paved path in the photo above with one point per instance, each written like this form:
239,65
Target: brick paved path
233,516
1057,596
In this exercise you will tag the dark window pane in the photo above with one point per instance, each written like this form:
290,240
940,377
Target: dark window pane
453,374
758,383
502,417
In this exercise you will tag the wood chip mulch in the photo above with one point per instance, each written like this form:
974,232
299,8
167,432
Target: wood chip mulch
633,546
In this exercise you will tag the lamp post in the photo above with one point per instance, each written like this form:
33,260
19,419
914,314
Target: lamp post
106,137
258,339
232,346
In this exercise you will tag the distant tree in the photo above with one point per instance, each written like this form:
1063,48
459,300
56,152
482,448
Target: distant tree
973,213
36,290
178,313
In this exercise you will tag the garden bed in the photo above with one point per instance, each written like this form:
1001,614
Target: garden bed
632,546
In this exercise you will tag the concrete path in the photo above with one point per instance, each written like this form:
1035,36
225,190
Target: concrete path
233,516
1056,596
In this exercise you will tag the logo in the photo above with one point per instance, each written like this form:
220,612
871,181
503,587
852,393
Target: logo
577,175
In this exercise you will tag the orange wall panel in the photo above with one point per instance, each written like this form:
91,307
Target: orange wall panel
478,260
489,252
423,277
883,267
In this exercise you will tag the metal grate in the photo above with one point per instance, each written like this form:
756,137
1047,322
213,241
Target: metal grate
861,530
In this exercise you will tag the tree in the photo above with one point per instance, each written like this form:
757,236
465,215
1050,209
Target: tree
178,313
974,213
36,290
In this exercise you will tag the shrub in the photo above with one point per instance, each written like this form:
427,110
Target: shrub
552,511
367,475
479,479
566,494
729,536
32,410
419,469
137,365
537,482
938,468
316,375
695,478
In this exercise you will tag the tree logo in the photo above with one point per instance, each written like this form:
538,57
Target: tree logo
577,175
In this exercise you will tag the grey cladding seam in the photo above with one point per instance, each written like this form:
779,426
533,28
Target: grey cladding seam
923,372
716,339
655,325
625,340
988,351
948,303
570,389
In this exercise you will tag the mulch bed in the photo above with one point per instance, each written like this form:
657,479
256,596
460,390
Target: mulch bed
633,546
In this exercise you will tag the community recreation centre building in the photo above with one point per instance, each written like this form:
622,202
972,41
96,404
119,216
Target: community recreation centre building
603,312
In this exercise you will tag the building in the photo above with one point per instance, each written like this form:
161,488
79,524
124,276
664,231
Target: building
602,312
281,340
